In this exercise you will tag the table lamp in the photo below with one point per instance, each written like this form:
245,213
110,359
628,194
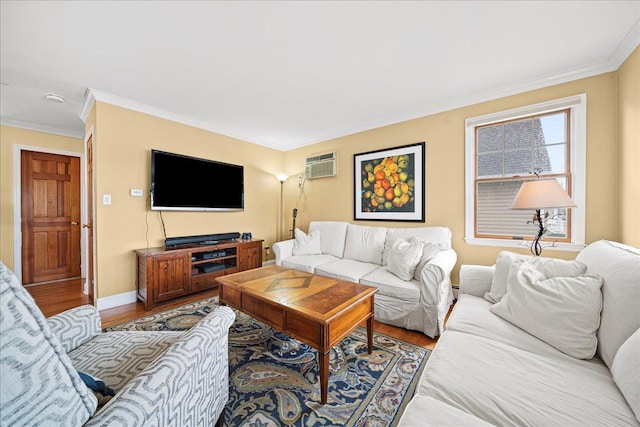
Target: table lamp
541,194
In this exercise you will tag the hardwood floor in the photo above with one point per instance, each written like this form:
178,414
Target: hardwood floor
57,297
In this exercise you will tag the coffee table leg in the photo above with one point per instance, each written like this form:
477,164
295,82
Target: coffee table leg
324,375
370,334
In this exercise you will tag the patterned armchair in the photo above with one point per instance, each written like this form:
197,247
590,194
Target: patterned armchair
160,378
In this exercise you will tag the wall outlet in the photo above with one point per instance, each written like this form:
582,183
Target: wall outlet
136,192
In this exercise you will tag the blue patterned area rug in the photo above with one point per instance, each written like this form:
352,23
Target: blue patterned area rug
274,380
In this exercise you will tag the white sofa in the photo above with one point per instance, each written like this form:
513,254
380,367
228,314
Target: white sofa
485,370
360,254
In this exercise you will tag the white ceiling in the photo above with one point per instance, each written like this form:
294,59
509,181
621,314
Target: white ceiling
289,74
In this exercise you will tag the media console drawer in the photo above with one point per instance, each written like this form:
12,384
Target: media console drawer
165,274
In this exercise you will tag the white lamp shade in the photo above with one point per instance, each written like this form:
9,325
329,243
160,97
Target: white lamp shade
282,177
542,194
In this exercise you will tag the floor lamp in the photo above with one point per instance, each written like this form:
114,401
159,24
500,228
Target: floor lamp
541,194
282,177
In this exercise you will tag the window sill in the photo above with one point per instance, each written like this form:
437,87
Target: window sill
525,244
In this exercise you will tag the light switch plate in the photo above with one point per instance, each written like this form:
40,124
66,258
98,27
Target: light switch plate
106,199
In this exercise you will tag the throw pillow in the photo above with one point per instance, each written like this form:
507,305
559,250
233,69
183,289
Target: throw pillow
306,244
429,250
626,371
550,267
103,392
564,312
404,257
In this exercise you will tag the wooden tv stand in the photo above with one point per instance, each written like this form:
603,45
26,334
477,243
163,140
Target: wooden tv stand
167,273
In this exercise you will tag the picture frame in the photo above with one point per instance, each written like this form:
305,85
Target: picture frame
389,184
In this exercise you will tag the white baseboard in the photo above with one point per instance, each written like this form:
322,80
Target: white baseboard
116,300
129,297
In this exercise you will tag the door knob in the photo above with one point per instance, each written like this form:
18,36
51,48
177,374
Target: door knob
74,222
86,225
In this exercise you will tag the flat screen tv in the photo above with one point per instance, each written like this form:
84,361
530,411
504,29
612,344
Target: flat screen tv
183,183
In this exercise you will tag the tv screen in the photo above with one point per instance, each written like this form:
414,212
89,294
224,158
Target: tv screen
191,184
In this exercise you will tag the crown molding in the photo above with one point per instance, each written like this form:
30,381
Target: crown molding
626,47
94,95
86,106
615,60
40,128
477,98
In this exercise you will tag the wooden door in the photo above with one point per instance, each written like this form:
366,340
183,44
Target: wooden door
89,223
172,276
50,199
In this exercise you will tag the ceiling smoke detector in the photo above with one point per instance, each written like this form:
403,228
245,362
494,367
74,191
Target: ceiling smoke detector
54,98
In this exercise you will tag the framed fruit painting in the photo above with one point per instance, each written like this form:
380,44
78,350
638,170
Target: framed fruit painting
389,184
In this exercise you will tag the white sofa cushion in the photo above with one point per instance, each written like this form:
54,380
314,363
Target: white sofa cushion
346,269
439,235
561,311
404,257
332,236
365,243
391,285
472,315
306,244
626,371
619,265
426,411
550,267
506,386
307,263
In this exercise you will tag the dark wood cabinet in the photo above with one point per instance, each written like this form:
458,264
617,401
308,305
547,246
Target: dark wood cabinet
250,256
173,274
166,273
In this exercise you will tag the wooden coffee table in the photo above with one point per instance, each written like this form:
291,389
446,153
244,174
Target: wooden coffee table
317,310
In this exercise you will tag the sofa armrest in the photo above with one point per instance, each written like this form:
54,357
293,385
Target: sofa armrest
283,250
187,385
76,326
476,279
436,295
439,267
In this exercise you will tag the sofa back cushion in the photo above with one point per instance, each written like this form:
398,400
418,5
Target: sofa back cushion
333,234
439,235
40,385
365,243
619,265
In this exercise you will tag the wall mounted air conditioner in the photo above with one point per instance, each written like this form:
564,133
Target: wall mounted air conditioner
321,166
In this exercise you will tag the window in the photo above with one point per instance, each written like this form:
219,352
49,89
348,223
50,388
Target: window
505,149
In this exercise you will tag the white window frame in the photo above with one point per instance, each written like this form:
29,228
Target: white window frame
577,149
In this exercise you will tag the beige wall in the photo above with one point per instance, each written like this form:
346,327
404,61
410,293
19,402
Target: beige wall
332,198
10,137
629,143
123,143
